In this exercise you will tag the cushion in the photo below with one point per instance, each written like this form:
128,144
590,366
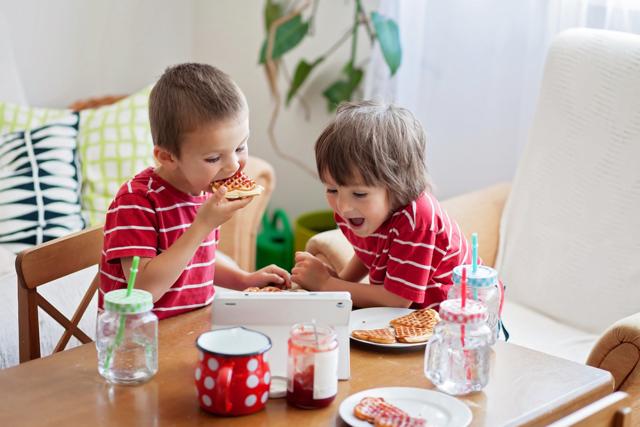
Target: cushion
14,117
115,143
532,329
39,184
571,230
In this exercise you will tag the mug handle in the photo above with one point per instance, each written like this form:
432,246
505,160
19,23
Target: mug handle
222,401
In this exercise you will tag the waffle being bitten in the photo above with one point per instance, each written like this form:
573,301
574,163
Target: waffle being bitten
238,185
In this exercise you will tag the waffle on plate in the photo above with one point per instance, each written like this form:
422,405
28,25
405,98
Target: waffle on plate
415,327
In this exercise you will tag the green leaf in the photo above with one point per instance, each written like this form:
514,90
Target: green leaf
388,35
342,90
272,11
288,36
302,72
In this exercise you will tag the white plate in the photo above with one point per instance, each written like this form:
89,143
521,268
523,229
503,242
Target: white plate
379,317
439,409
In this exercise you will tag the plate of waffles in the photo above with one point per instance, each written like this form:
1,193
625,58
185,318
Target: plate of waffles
393,327
405,406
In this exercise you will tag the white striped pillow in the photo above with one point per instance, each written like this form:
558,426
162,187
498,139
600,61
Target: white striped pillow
39,184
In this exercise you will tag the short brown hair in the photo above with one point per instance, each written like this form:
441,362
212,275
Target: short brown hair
384,143
187,96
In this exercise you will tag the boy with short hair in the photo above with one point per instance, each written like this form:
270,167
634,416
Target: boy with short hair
371,160
167,215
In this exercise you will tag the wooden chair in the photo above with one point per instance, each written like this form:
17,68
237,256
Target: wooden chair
42,264
613,410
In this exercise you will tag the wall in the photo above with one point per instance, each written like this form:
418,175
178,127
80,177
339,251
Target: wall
71,49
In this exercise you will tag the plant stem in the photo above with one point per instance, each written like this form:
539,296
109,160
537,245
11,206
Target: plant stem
354,37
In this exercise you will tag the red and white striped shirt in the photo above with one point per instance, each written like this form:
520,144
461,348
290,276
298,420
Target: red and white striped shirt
146,217
413,252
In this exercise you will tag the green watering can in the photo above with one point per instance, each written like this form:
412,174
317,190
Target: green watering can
275,241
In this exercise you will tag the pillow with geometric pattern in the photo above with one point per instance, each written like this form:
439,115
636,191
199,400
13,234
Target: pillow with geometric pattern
114,143
39,183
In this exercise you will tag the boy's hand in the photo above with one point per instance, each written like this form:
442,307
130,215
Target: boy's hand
311,273
217,209
269,275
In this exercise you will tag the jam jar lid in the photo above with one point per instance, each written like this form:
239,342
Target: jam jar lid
451,310
138,301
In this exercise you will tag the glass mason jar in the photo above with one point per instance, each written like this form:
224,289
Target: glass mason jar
457,355
127,337
483,286
312,368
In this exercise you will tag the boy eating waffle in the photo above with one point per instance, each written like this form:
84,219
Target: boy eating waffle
167,215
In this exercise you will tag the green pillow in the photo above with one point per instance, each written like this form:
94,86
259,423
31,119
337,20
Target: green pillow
114,144
15,118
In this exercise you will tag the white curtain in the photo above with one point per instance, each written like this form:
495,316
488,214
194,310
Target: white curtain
471,72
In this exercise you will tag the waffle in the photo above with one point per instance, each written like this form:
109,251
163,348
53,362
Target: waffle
371,408
395,420
238,185
409,334
265,289
425,318
381,336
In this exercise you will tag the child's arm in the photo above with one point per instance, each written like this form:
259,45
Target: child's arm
232,277
158,274
312,274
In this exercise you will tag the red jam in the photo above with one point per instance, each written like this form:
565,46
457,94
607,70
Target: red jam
312,376
302,394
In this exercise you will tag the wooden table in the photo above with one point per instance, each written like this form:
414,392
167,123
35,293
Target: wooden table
526,387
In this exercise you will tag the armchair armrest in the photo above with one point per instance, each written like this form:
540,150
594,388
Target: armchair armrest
618,351
332,248
480,212
238,235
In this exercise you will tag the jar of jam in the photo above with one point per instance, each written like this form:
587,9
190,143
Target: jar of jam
312,368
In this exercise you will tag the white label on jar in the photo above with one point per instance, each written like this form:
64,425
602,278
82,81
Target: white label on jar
325,374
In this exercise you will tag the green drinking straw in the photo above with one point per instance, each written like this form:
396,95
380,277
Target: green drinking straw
120,333
474,249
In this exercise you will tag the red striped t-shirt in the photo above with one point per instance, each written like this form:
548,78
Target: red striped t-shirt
413,252
146,217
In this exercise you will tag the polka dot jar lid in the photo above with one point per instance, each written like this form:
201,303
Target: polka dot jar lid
474,311
484,276
138,301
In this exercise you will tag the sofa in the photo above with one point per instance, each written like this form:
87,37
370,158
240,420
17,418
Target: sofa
564,234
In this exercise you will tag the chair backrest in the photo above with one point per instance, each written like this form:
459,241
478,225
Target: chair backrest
570,232
613,410
42,264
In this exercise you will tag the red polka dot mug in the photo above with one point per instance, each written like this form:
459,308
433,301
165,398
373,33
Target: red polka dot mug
232,376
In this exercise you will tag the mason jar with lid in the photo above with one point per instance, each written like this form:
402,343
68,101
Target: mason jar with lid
482,285
312,368
457,355
127,337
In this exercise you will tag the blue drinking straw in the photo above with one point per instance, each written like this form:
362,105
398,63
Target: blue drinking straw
474,252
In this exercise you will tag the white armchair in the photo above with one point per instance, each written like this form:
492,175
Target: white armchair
568,239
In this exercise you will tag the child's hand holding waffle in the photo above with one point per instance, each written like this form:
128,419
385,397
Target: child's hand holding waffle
415,327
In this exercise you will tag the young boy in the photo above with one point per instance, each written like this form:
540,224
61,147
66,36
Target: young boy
166,215
371,159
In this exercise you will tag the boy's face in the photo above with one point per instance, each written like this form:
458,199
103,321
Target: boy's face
211,152
364,208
